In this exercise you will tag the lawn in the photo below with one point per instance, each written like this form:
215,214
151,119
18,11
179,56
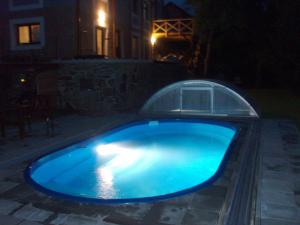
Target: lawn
277,103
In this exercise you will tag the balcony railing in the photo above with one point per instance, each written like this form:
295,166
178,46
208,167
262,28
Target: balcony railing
173,27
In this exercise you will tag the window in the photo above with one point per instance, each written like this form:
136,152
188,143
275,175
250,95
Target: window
25,4
28,34
100,40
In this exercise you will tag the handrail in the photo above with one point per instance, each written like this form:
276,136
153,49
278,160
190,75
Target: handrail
173,27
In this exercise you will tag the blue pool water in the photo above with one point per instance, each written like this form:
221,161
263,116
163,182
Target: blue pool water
139,161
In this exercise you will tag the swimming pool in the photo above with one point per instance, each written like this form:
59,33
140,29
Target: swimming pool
141,161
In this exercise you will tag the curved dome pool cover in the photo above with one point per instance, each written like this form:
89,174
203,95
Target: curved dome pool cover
199,97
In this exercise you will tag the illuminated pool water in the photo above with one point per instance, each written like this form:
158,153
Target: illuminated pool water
141,161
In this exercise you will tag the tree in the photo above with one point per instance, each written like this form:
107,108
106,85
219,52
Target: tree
257,38
215,19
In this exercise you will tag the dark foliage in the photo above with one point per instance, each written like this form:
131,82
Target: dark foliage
256,41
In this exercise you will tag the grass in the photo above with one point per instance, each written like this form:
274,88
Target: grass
277,103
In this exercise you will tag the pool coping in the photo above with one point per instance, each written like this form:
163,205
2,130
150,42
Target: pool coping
242,205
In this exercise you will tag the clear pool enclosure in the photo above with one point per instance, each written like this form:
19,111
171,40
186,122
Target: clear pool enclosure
148,159
199,97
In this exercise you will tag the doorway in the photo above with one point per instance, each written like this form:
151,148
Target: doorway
100,40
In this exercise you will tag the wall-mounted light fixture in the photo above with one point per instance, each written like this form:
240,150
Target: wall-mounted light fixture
101,18
153,40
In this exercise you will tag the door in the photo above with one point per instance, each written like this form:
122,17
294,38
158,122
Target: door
100,40
118,44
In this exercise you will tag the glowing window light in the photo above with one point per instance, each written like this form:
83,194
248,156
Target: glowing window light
101,18
153,40
24,34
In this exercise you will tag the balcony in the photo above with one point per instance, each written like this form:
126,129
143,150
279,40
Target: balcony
173,28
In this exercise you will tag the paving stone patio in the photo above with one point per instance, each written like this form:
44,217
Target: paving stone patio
277,195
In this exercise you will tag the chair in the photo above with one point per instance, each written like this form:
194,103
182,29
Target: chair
15,115
45,107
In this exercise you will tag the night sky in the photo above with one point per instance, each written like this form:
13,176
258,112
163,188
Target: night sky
182,3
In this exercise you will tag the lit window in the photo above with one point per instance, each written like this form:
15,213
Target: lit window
35,33
28,34
24,35
101,18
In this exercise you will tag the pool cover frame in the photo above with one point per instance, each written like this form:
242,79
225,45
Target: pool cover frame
219,172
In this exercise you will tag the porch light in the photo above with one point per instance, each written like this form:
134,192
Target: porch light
101,18
153,40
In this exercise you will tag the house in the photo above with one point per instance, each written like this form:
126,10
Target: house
173,35
66,29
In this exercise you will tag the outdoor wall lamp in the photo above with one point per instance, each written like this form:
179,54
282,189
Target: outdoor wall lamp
153,40
101,18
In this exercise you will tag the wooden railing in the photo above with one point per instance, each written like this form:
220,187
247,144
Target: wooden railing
173,27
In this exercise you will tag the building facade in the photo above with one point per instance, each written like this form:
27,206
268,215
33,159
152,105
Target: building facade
66,29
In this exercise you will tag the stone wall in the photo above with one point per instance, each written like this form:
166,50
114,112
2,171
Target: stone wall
106,87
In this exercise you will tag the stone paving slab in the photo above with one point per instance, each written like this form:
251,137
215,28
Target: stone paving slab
208,203
200,217
31,213
9,220
116,218
7,185
278,222
4,173
135,211
271,174
172,215
30,223
216,191
183,200
298,200
72,219
277,185
8,206
271,210
277,199
283,198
